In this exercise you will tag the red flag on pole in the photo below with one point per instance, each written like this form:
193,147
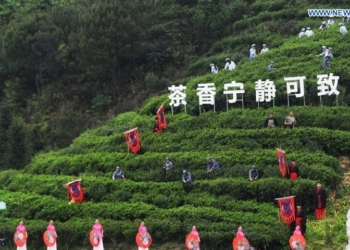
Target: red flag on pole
133,140
282,162
161,118
287,209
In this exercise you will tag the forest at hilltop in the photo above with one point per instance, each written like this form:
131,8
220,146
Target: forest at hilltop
66,66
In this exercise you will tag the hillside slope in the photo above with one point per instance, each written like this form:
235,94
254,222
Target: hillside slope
218,202
65,76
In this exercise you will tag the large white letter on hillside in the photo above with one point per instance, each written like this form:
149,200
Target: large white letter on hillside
233,89
206,93
177,95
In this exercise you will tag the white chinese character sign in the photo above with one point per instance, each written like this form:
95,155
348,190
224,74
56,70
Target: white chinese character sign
327,85
206,93
177,96
295,86
233,89
265,91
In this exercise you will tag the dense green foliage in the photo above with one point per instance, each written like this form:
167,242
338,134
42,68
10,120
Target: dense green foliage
217,202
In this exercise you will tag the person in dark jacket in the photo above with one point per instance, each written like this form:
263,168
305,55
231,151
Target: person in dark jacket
186,180
253,173
320,202
118,174
294,171
300,219
270,122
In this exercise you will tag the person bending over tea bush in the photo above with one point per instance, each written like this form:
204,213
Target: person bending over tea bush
186,180
253,173
212,165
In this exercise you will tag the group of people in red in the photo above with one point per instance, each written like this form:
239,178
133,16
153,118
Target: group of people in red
239,242
144,240
297,241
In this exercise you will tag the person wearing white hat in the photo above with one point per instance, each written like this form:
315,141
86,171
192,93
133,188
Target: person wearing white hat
323,26
230,65
213,68
342,29
324,51
302,33
330,53
309,32
253,173
330,20
252,52
264,49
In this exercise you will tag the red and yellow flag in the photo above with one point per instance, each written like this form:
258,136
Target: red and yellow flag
282,162
133,140
75,191
287,209
161,118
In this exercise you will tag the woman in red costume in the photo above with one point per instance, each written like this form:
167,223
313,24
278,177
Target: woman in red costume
320,202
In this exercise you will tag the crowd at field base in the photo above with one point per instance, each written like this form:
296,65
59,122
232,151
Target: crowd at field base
144,240
327,53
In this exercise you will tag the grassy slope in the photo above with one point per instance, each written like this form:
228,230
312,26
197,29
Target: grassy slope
95,153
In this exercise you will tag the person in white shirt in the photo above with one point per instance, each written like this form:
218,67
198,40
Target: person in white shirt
324,51
230,65
213,68
252,52
331,20
302,33
342,29
264,49
323,26
330,53
309,32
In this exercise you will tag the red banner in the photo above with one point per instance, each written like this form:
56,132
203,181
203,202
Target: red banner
75,191
287,209
49,238
161,118
143,239
133,140
94,238
297,242
240,243
192,242
20,239
282,163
